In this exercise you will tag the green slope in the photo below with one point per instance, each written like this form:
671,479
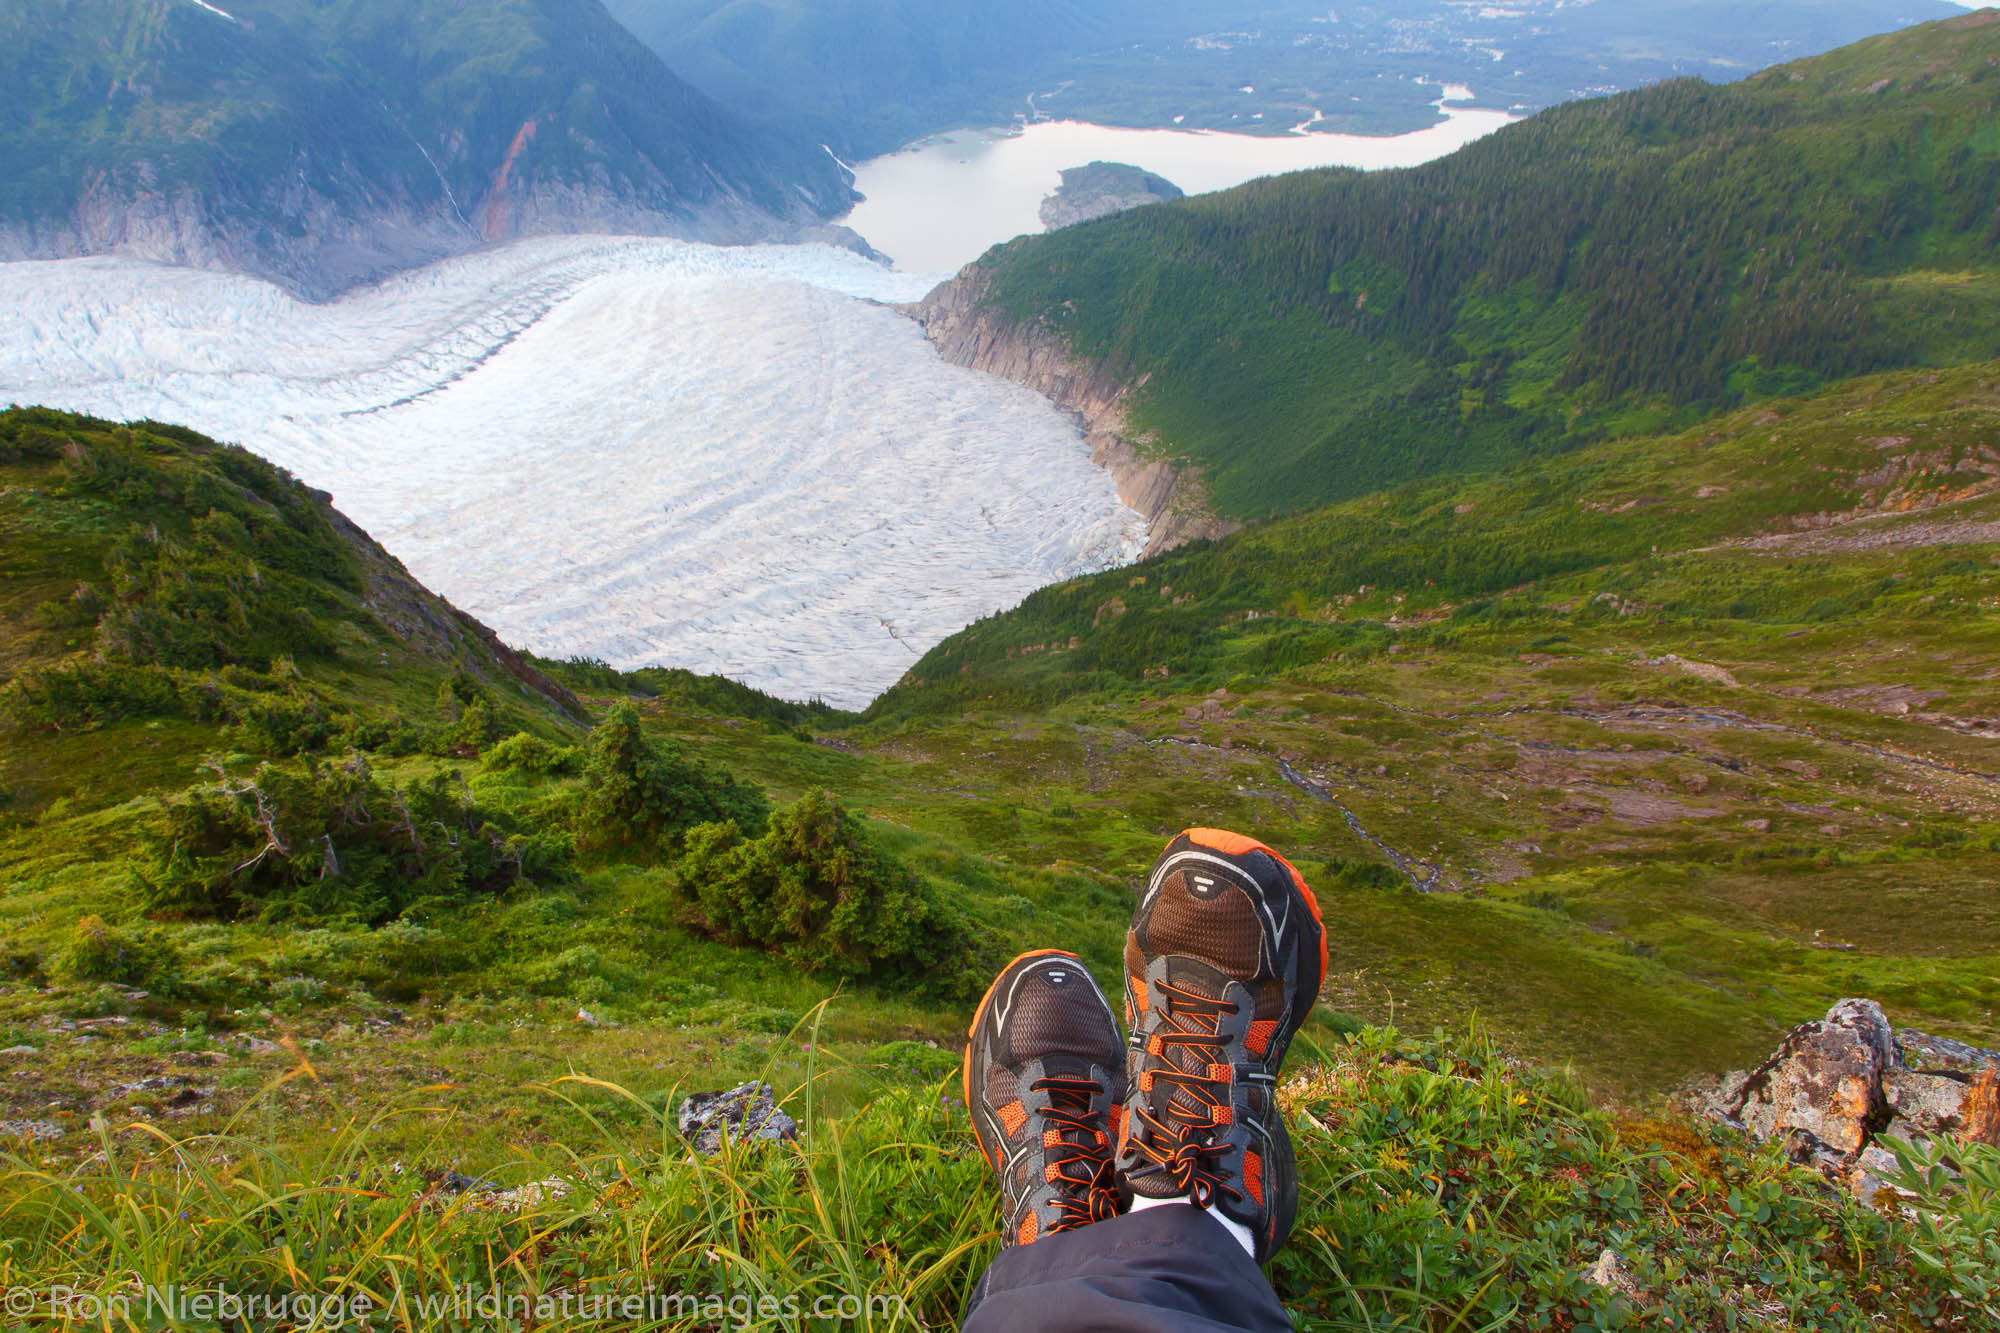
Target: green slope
1603,268
1435,557
158,588
1668,803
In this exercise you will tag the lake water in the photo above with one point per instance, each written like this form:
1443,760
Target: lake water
938,205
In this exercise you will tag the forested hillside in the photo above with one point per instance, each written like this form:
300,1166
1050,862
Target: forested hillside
1603,268
322,144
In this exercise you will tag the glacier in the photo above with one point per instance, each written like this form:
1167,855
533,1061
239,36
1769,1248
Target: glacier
738,460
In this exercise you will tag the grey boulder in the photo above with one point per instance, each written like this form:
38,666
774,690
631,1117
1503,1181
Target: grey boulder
745,1113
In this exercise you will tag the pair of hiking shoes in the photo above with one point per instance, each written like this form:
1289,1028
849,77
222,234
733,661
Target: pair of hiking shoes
1223,964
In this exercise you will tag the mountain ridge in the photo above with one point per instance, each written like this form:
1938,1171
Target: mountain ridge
325,146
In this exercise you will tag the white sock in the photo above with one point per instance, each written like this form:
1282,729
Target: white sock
1236,1229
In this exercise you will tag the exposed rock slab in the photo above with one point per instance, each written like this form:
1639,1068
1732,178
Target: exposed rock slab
1923,1051
1927,1103
969,332
745,1113
1825,1080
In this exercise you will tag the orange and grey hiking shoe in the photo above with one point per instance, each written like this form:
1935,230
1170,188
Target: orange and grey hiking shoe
1224,962
1044,1080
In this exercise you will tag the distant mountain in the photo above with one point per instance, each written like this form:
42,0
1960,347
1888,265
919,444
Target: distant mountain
325,142
867,76
1607,268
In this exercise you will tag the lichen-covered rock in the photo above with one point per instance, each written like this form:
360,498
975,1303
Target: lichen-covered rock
1981,1112
1613,1273
1825,1080
1920,1050
1924,1103
747,1112
1838,1083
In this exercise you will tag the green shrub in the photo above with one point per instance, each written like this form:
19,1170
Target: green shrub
581,972
641,795
469,724
532,756
205,601
289,724
22,442
279,715
1956,1215
333,843
85,694
100,952
81,608
815,888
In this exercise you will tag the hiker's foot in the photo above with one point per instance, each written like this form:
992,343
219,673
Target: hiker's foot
1044,1078
1224,962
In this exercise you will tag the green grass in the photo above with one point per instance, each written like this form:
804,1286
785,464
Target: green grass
1439,1189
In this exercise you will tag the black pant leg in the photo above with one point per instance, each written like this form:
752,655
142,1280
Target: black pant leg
1160,1270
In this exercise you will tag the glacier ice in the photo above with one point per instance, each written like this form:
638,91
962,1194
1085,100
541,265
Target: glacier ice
738,460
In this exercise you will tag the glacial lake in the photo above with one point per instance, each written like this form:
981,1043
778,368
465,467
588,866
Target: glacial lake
939,204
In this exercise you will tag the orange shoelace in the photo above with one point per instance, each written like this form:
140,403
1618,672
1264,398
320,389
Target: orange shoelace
1087,1178
1182,1144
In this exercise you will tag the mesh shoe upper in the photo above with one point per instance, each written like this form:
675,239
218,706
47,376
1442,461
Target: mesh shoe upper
1044,1080
1223,963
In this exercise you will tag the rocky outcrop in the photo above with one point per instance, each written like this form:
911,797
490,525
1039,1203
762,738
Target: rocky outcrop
1838,1084
969,331
746,1113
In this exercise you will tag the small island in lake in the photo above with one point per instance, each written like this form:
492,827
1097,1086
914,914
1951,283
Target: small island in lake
1101,189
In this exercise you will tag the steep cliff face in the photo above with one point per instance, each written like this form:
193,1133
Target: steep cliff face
969,332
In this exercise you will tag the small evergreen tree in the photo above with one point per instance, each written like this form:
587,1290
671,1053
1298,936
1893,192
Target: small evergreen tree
817,889
641,795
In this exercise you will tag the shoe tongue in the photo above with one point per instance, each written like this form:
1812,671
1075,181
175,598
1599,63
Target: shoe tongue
1058,1013
1196,977
1067,1064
